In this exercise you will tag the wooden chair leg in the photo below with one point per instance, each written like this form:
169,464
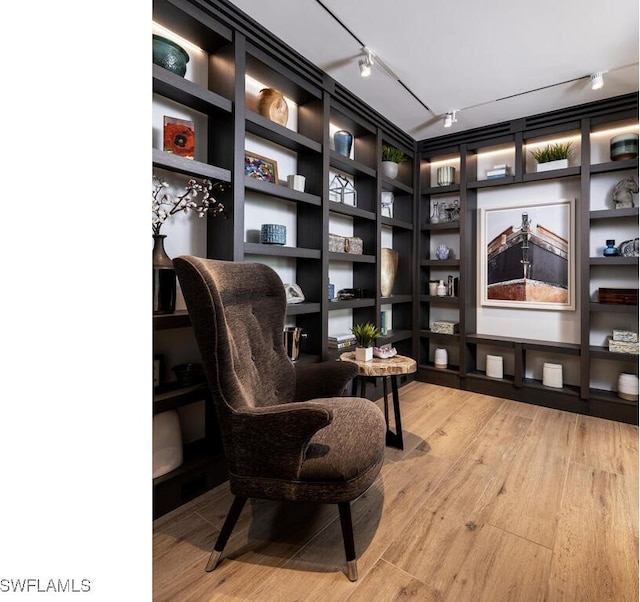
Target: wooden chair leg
225,533
347,536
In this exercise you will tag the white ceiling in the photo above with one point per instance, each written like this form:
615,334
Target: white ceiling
493,60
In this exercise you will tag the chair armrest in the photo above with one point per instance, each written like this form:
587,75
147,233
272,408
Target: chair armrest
326,379
272,441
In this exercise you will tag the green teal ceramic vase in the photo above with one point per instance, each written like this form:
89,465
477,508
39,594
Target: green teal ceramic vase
169,55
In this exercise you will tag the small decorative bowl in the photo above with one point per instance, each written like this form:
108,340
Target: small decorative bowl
624,146
273,234
188,374
169,55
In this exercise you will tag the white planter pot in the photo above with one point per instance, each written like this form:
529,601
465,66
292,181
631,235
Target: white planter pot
364,354
628,386
551,165
390,169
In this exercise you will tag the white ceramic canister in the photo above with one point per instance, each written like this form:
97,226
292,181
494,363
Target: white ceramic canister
495,366
441,358
628,386
552,375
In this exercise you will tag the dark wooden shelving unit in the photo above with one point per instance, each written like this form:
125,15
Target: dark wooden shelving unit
463,151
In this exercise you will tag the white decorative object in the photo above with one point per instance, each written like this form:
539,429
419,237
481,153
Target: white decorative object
296,182
552,375
628,386
167,443
495,366
550,165
364,354
386,204
441,290
441,358
433,288
294,293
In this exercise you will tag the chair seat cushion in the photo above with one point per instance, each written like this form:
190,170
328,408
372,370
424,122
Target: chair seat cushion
341,462
347,449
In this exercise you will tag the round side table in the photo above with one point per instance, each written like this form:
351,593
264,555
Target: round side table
390,369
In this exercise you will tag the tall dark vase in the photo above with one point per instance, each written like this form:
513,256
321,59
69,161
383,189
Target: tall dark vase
164,278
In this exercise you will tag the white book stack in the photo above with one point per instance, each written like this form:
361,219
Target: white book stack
499,171
341,341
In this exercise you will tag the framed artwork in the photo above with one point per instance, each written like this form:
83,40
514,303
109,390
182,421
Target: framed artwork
527,256
179,137
260,167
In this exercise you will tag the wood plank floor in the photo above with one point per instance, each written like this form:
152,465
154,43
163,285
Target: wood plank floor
491,500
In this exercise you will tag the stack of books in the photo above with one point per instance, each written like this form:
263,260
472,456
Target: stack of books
499,171
385,320
342,341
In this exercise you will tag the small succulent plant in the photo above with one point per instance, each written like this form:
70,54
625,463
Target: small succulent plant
365,334
391,153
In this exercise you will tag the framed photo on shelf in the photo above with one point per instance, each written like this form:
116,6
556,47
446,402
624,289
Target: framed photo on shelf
527,256
260,168
179,137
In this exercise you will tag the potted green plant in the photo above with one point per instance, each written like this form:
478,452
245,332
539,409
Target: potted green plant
391,158
552,156
366,335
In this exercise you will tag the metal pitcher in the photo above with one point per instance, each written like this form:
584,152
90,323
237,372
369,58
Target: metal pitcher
292,336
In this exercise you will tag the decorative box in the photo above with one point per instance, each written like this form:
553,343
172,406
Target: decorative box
623,347
345,244
273,234
625,335
445,327
618,296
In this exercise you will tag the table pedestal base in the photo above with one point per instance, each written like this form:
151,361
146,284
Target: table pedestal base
393,439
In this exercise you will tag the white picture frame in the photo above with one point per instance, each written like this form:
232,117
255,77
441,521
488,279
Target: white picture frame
526,256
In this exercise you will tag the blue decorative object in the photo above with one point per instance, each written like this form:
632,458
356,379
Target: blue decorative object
273,234
342,141
442,252
611,250
169,55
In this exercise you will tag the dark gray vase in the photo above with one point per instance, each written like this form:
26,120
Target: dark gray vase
164,278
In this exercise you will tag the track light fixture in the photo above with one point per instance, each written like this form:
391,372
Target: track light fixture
450,118
365,63
597,81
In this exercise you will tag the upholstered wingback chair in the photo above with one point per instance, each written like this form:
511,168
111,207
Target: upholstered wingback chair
287,431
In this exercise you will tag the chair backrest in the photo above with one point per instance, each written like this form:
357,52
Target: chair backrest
237,311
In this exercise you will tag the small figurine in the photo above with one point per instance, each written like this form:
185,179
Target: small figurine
623,192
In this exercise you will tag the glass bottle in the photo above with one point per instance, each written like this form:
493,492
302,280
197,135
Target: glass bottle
435,214
610,250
